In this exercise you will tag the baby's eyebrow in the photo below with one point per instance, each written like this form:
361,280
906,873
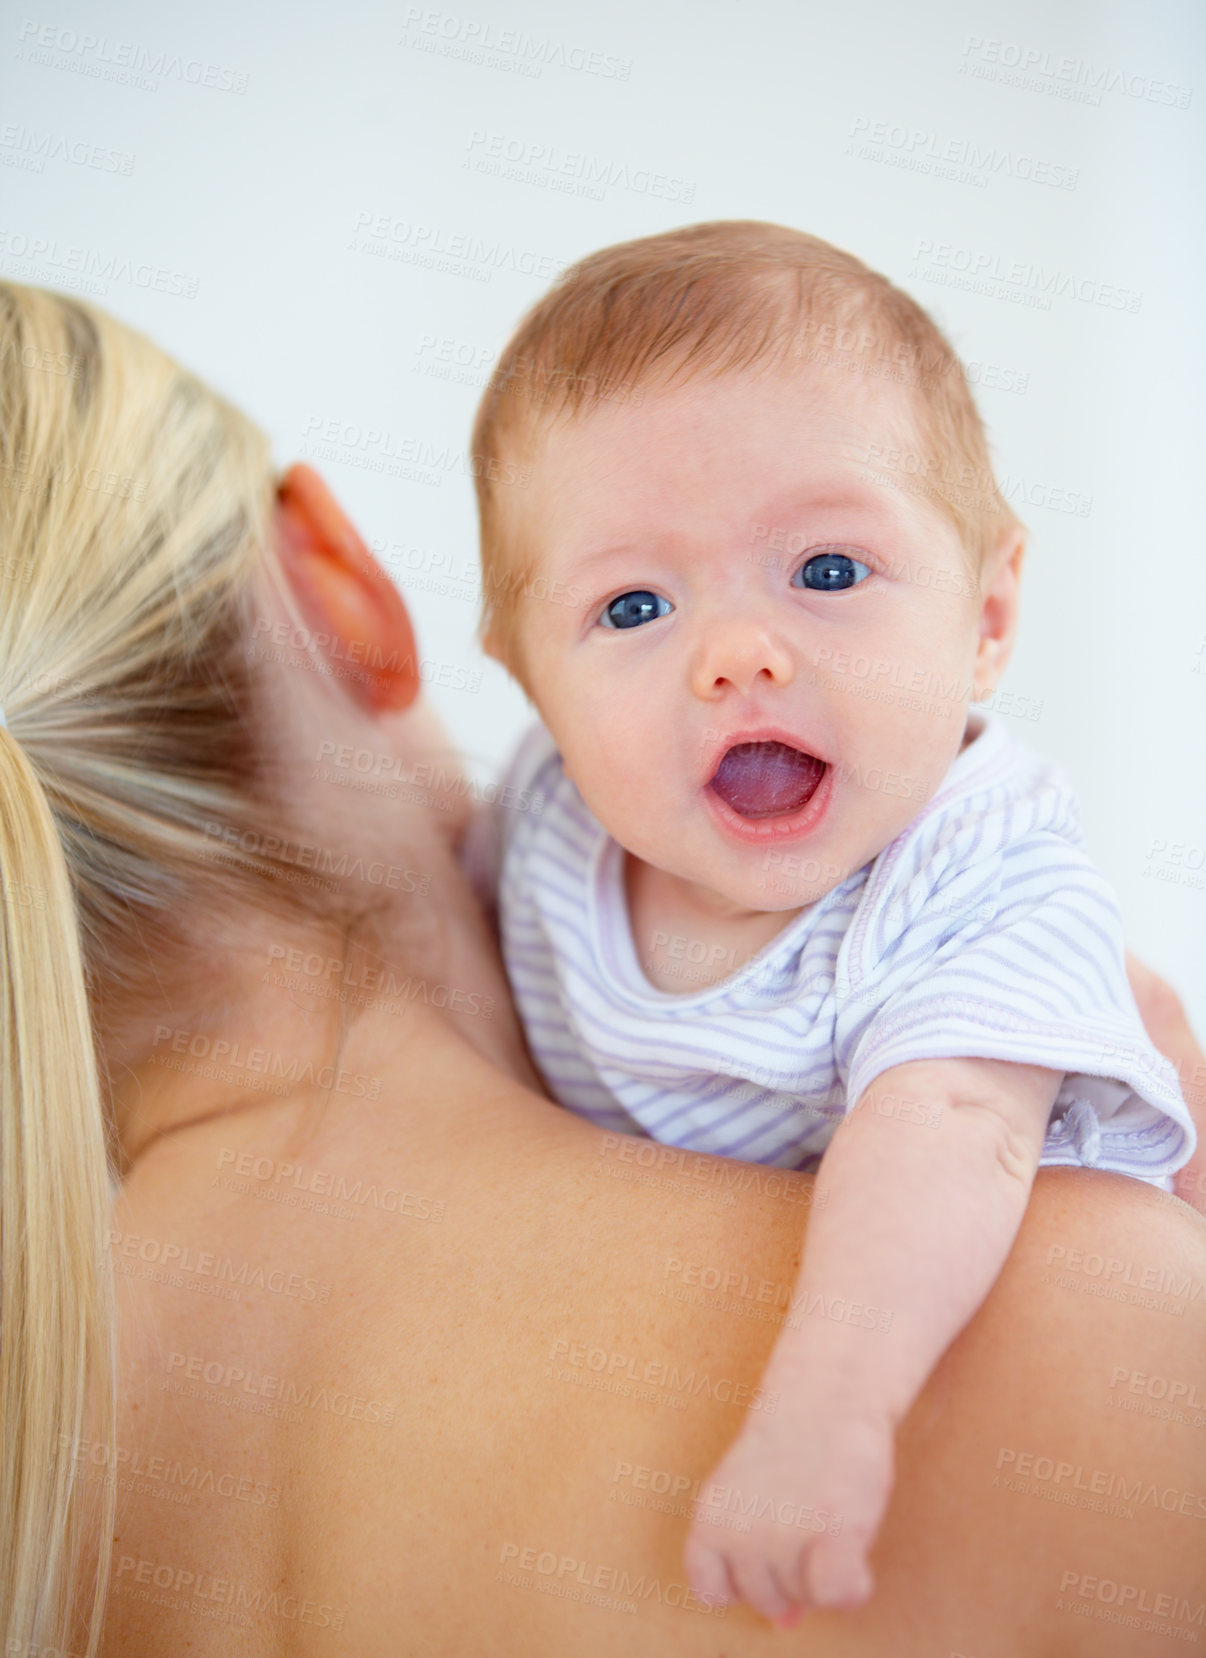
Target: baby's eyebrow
589,557
848,494
782,514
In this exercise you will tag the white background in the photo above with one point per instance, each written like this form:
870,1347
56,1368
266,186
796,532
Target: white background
256,187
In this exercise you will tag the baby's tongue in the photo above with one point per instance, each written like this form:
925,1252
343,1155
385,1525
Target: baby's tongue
765,779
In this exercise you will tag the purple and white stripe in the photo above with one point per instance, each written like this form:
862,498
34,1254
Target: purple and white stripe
983,929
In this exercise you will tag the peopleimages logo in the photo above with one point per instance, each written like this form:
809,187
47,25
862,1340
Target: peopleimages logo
206,1593
924,149
1078,79
200,1048
1018,280
34,149
68,260
121,60
613,1588
456,252
533,161
498,48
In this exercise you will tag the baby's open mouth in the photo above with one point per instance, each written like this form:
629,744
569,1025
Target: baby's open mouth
766,779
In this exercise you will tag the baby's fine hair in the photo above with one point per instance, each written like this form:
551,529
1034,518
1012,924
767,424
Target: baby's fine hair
717,297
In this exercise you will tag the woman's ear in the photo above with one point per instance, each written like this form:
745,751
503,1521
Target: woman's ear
358,620
1000,599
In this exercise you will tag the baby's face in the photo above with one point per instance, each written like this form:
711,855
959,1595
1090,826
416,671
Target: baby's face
728,564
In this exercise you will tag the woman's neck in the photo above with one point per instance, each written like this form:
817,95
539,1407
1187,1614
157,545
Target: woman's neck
287,1007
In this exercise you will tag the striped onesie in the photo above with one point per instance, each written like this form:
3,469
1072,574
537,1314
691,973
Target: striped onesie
983,930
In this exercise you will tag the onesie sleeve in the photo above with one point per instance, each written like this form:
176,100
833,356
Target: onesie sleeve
1013,949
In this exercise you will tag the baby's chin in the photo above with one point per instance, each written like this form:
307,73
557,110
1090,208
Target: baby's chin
779,881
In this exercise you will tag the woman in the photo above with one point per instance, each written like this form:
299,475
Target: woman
406,1359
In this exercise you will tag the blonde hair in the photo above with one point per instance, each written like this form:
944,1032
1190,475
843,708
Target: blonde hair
134,507
717,297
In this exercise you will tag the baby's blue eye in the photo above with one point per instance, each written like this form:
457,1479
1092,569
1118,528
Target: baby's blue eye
830,572
631,609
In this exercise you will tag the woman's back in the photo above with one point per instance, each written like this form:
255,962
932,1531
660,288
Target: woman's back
408,1360
470,1378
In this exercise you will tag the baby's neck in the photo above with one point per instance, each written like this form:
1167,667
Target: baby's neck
684,942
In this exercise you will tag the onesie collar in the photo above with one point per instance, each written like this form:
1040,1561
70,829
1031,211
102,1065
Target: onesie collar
609,926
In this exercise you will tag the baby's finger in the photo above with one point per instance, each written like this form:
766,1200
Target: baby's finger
790,1573
791,1585
759,1586
708,1572
838,1576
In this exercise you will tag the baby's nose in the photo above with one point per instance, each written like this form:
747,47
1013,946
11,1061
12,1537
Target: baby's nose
740,651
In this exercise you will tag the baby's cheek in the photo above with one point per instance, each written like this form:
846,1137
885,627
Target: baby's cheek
881,792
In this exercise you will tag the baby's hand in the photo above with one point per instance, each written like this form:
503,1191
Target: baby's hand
814,1483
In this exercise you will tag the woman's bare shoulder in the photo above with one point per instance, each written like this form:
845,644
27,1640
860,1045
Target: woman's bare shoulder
474,1337
580,1353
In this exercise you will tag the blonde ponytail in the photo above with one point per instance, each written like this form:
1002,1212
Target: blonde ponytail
55,1289
134,515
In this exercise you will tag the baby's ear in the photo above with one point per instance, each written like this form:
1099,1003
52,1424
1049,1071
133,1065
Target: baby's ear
999,595
1011,547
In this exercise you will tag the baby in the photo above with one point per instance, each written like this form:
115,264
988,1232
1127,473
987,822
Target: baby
787,894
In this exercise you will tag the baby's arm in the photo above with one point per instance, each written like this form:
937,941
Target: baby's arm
1163,1013
919,1197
